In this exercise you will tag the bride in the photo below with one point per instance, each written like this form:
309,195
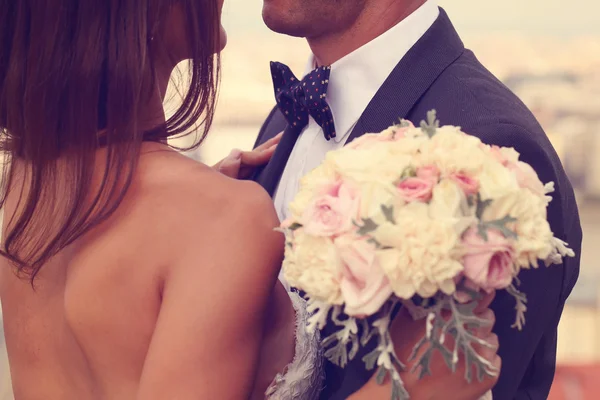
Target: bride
130,271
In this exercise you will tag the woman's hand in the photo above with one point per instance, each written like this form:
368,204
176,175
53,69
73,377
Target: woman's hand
242,164
442,384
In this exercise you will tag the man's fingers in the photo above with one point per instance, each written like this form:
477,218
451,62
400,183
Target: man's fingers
489,351
490,317
485,302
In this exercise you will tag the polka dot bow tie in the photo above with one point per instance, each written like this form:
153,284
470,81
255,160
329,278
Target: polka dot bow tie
297,99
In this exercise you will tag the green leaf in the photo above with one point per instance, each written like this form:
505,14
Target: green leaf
500,224
388,213
473,294
408,172
338,355
520,306
430,126
481,206
482,231
398,391
368,226
381,373
354,349
404,123
468,370
295,226
370,359
471,200
367,334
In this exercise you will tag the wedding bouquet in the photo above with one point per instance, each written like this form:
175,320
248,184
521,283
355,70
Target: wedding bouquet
426,217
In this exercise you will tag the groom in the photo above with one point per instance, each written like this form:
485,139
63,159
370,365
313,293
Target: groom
394,59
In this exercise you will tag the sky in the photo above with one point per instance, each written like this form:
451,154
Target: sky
533,17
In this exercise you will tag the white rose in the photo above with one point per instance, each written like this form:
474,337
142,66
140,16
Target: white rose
410,145
368,165
373,196
415,132
495,180
449,202
313,265
452,151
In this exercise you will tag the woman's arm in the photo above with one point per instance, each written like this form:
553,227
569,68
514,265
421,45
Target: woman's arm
208,335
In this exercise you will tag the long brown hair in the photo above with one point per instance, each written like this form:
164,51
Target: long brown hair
73,75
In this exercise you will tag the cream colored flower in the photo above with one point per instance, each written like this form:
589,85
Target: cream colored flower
374,164
415,132
408,145
533,231
449,202
452,151
422,258
509,154
373,196
313,265
495,180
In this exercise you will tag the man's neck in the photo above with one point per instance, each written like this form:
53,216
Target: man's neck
373,22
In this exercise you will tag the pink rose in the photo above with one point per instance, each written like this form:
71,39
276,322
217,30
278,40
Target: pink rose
364,286
527,177
468,184
332,212
429,172
416,189
489,264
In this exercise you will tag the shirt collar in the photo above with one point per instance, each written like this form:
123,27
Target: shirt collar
356,78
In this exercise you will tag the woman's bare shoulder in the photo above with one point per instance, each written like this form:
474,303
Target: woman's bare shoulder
201,214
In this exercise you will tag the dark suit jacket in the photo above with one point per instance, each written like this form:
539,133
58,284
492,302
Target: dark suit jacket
439,73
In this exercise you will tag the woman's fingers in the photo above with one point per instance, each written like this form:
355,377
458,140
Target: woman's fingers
257,157
269,143
230,165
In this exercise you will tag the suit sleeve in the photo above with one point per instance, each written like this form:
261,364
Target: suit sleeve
529,356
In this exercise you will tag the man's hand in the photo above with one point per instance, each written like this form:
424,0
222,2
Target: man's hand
242,164
442,384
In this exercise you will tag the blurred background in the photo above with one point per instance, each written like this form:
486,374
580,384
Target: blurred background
547,51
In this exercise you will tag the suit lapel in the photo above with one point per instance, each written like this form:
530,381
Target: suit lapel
270,176
414,74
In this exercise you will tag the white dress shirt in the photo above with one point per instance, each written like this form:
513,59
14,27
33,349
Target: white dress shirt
354,81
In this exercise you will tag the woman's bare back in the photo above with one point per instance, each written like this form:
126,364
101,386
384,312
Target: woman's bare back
86,330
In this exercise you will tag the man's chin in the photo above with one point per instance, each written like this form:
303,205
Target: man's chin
278,19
